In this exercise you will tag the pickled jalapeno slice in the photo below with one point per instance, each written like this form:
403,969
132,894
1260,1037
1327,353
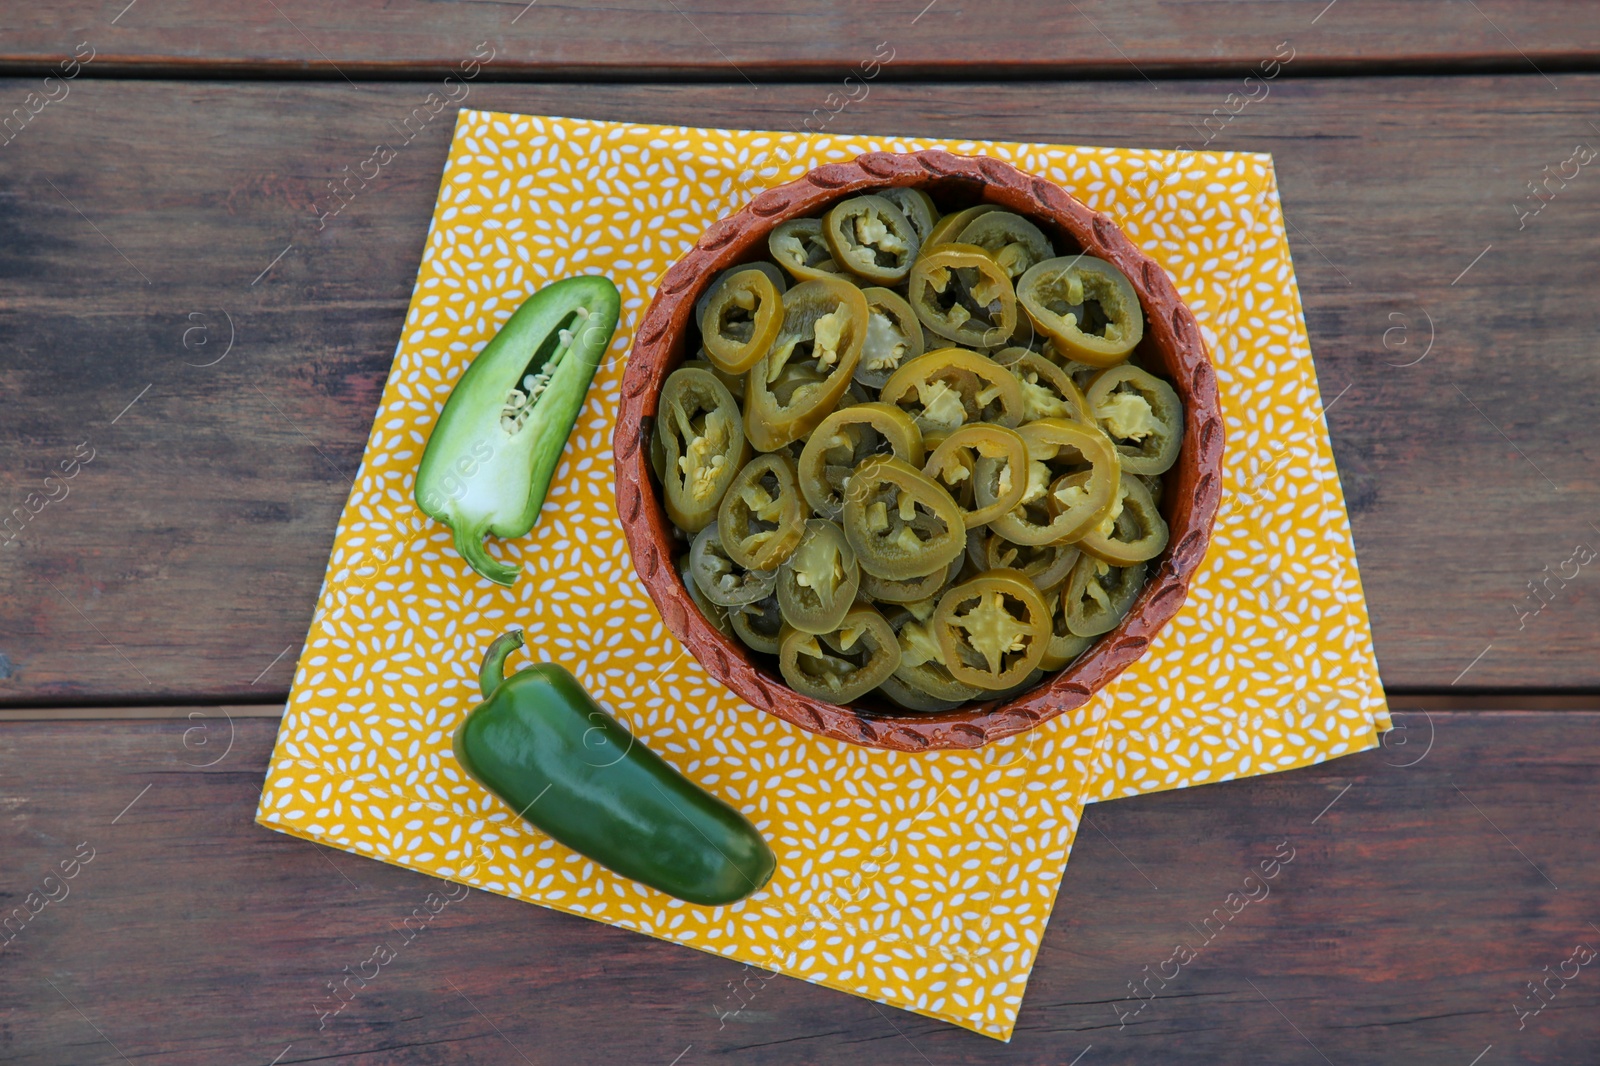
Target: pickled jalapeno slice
724,582
993,629
1055,446
1086,306
758,625
762,516
1014,242
871,238
701,444
1142,414
1134,531
802,377
958,291
817,584
841,665
901,523
1048,391
911,589
1064,645
799,247
741,319
1046,565
945,227
917,206
846,439
894,337
922,659
717,616
1099,595
954,461
950,387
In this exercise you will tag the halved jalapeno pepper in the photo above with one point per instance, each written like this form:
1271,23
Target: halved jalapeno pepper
799,247
1014,242
1085,305
1046,565
724,582
894,337
1142,414
1133,533
1047,390
901,523
758,625
762,517
946,227
871,238
701,445
846,439
844,664
1099,595
944,389
741,319
916,205
954,460
801,378
958,291
817,584
994,629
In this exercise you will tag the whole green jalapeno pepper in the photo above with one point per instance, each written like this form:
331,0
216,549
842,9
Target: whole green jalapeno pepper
541,743
489,460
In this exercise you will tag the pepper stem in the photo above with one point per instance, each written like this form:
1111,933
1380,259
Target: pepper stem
469,545
494,661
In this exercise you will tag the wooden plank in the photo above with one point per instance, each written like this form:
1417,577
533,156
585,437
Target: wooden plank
812,38
186,559
1404,928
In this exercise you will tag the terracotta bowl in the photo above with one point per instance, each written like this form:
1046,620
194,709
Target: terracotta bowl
1172,346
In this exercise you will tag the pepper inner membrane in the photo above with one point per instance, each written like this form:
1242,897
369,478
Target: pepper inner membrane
535,377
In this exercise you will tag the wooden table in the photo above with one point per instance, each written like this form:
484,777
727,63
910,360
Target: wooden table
177,329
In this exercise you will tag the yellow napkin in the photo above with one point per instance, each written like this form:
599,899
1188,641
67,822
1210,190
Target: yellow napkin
924,881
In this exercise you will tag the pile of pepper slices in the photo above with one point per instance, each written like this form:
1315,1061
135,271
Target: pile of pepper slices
893,481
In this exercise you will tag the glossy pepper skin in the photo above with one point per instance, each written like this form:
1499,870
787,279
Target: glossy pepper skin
541,743
489,460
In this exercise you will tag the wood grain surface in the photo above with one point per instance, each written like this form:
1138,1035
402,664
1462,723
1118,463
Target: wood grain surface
1428,882
810,38
145,224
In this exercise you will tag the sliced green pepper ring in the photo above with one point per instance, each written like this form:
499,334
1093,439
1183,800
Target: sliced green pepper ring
1085,305
817,584
901,522
724,582
799,247
871,238
734,383
701,444
844,664
1142,414
894,337
843,441
1046,565
946,227
762,516
922,667
993,629
1154,485
713,614
911,589
1015,243
916,205
958,291
1040,518
758,625
809,367
954,460
1099,595
1047,390
950,387
1065,645
779,279
1133,533
741,319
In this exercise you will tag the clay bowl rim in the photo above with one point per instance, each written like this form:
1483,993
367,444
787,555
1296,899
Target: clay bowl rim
1172,344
